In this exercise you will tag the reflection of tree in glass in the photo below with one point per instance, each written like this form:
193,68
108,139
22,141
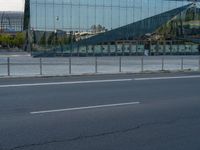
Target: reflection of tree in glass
98,28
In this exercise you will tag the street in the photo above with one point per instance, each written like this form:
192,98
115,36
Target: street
104,112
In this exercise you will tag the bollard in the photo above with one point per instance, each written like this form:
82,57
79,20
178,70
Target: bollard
182,63
70,65
142,64
120,64
40,66
163,63
8,66
96,65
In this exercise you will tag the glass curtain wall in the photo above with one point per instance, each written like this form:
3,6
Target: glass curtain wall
82,15
76,20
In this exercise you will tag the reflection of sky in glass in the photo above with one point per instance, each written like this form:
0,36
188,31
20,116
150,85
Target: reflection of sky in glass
80,15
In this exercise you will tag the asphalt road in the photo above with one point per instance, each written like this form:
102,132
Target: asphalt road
106,112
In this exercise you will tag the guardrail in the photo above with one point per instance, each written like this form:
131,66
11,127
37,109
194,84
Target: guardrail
93,65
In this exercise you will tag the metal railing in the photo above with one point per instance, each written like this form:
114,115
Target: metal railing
94,65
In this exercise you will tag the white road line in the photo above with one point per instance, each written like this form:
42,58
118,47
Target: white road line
63,83
167,78
84,108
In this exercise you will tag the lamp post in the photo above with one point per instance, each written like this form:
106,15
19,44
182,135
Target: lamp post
55,33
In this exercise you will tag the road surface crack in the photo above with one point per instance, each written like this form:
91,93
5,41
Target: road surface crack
83,137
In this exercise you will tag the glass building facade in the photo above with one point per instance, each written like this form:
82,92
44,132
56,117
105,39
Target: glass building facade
111,27
82,15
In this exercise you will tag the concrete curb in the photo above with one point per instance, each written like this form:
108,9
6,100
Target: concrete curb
98,74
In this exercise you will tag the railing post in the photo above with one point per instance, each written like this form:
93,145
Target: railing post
182,67
163,63
96,65
120,64
142,64
40,66
8,66
70,65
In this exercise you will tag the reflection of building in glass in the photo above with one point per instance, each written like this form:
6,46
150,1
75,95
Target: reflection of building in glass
105,25
11,22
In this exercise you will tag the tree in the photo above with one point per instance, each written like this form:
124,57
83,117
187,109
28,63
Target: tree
6,40
12,41
19,39
0,39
